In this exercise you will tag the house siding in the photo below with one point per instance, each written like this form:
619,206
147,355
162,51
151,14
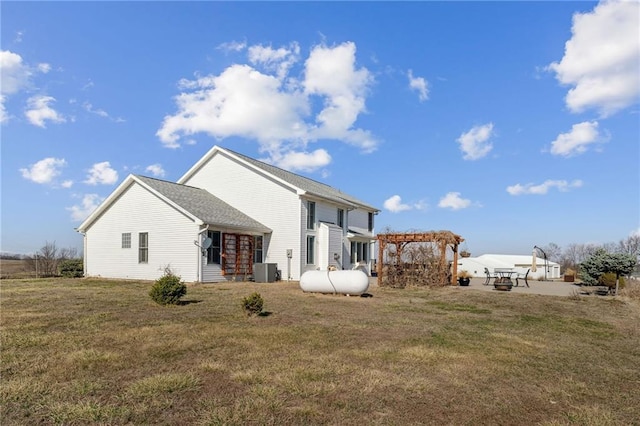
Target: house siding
171,236
262,198
359,221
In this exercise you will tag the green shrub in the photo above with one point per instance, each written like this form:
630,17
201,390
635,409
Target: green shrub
71,268
609,279
253,304
168,289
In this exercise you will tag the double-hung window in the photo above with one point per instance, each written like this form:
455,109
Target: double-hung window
311,215
143,247
340,219
257,249
213,252
370,222
311,249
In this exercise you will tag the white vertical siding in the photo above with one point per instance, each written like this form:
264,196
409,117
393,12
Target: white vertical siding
171,236
267,201
329,243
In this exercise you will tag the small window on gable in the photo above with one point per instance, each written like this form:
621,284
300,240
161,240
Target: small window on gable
126,240
370,227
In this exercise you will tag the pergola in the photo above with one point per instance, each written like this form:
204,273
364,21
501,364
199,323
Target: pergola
443,239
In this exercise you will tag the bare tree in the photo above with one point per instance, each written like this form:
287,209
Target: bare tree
67,253
630,245
553,252
44,263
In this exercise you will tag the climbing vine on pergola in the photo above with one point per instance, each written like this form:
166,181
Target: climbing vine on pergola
392,248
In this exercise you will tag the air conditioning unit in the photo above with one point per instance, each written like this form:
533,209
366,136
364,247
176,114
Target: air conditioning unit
265,272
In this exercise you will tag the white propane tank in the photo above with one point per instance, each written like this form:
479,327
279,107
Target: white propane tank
354,282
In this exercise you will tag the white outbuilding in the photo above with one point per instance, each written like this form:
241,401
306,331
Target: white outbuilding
544,269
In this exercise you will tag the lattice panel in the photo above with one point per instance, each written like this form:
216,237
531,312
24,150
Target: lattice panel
237,254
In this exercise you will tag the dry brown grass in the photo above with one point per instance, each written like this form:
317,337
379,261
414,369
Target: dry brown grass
15,268
96,351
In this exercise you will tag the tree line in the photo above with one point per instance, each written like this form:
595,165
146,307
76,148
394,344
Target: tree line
573,255
47,261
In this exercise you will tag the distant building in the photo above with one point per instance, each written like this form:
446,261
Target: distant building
521,263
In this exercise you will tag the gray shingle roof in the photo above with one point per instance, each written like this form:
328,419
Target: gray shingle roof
203,205
309,185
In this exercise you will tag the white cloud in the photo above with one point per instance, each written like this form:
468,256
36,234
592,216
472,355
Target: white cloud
89,203
330,72
277,60
89,108
233,46
67,184
156,170
394,204
601,58
239,102
303,161
420,85
543,188
263,103
577,140
4,117
475,143
44,171
453,201
44,68
38,111
14,74
102,173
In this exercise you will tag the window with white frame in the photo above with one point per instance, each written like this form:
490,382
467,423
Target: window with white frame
311,249
257,249
370,222
359,252
143,247
340,219
311,215
126,240
214,250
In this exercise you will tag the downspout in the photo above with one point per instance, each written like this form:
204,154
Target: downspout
199,277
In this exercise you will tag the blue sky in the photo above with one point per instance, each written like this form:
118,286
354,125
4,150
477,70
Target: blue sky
513,124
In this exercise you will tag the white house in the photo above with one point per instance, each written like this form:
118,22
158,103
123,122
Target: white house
250,211
520,263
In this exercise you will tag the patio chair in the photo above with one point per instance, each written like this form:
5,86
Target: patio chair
523,276
489,276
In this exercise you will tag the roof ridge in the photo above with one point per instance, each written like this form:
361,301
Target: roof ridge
251,159
167,181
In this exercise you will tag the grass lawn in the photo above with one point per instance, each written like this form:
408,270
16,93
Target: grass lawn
90,351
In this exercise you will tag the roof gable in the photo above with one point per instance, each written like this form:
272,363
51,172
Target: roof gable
301,184
196,203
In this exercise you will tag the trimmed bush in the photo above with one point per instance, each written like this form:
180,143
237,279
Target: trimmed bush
71,268
609,279
168,289
253,304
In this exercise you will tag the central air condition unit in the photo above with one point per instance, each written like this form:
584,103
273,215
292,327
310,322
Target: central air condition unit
265,272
